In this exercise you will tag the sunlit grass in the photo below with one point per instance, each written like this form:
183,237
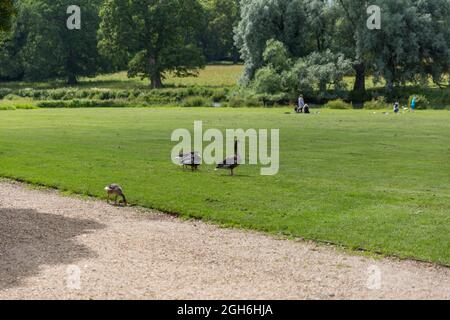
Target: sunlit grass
360,179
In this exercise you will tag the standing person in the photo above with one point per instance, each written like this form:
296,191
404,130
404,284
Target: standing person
396,107
301,104
413,104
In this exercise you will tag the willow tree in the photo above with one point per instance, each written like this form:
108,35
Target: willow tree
354,36
155,36
263,20
413,43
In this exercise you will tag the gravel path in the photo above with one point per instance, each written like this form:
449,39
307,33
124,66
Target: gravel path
56,247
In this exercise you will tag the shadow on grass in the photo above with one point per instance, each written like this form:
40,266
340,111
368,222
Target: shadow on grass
30,239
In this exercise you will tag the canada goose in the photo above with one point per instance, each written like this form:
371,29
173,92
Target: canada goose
192,159
232,162
117,191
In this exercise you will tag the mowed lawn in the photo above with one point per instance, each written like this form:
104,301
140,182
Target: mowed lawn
355,178
211,76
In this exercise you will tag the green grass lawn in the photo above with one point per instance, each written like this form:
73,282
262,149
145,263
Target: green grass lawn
355,178
210,76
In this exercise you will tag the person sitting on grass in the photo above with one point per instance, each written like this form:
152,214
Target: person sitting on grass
396,107
306,109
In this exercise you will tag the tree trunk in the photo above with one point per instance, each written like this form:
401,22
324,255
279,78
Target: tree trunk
155,81
360,80
155,74
72,79
235,55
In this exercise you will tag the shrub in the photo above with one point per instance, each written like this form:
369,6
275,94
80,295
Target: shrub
359,96
276,55
219,95
25,106
252,101
70,95
5,107
82,94
267,80
86,104
273,99
236,102
12,97
135,93
17,104
422,102
376,104
196,101
57,94
4,92
106,95
338,104
123,94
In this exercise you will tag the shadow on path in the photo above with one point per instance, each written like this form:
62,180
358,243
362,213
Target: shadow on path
30,239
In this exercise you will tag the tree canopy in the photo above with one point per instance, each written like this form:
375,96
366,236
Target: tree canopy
6,11
411,46
157,36
42,47
152,38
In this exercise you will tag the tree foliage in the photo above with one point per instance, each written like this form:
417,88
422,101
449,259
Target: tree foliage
263,20
6,11
221,17
42,47
156,36
320,35
413,43
281,72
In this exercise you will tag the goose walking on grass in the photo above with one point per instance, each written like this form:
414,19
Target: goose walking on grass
116,191
191,159
232,162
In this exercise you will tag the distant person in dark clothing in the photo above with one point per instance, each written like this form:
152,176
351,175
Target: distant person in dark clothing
396,107
306,109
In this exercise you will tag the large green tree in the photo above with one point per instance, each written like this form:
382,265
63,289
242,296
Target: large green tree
352,36
413,43
156,36
11,66
42,47
263,20
321,18
221,17
302,26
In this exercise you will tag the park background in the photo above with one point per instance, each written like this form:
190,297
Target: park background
84,108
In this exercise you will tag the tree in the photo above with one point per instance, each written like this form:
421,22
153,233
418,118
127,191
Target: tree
283,73
435,38
157,36
6,11
413,43
321,20
262,20
221,17
12,43
43,47
354,33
